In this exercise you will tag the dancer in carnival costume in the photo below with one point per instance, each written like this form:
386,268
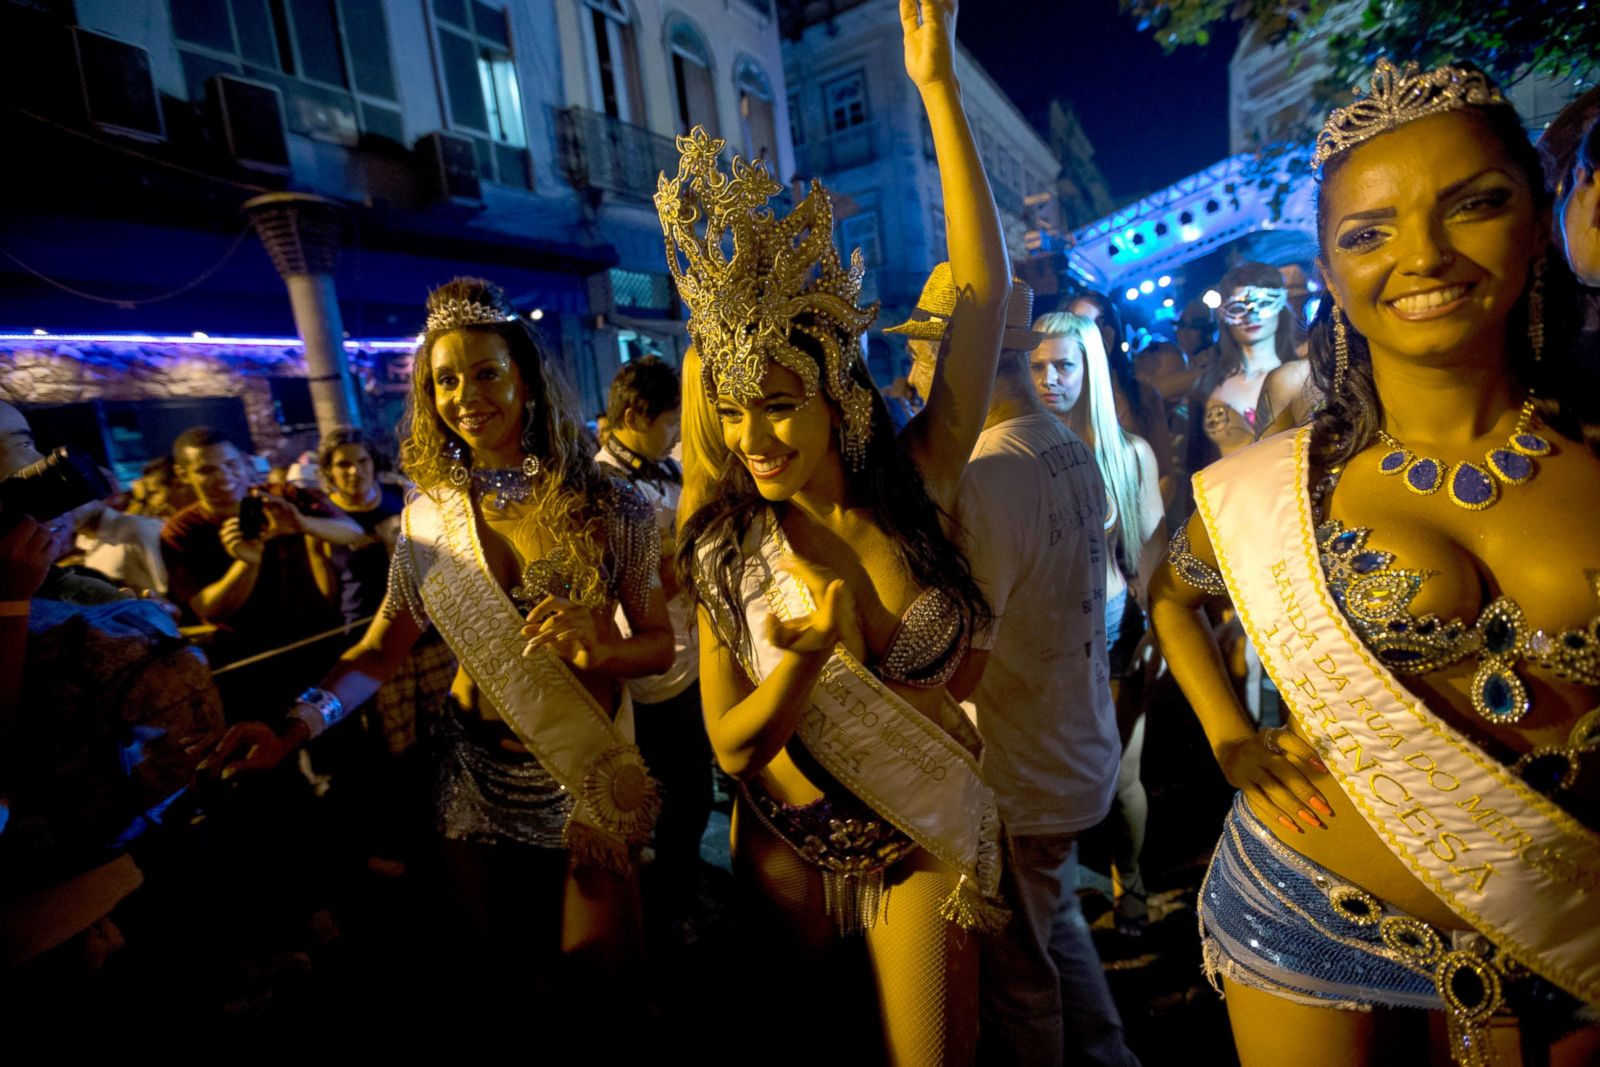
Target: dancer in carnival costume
833,604
1422,834
540,792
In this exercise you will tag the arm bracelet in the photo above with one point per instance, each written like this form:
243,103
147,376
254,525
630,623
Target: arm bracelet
318,709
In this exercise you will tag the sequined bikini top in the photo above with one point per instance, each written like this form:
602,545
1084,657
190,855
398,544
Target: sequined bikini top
1376,596
928,642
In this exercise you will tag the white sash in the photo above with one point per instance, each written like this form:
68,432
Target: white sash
1500,855
545,705
904,766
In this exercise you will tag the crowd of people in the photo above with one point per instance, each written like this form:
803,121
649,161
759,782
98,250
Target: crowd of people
911,634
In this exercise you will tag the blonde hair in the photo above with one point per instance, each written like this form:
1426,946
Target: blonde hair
1094,418
569,500
705,455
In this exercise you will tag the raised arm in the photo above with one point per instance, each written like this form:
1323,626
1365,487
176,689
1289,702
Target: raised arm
941,437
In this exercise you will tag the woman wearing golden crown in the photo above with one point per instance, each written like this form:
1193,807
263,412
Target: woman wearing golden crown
833,604
540,792
1422,588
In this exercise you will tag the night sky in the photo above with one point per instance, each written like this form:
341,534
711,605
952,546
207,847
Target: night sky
1152,118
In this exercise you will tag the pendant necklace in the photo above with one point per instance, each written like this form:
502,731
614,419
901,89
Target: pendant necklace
1473,486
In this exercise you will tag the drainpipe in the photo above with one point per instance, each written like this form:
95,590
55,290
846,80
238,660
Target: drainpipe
301,233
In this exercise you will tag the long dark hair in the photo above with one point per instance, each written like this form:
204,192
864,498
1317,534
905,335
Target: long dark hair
1564,397
711,560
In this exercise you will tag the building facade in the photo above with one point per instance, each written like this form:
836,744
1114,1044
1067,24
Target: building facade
517,139
857,123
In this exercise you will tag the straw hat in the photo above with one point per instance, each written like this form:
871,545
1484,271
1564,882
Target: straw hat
931,318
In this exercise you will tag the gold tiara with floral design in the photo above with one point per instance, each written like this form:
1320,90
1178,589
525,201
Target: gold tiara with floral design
1400,95
751,280
454,314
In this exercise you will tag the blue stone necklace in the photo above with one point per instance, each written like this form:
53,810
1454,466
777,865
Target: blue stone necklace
1473,486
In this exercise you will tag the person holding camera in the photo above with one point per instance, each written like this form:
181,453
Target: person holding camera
238,558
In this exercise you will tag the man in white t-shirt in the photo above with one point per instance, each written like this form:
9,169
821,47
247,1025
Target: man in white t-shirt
1038,684
642,414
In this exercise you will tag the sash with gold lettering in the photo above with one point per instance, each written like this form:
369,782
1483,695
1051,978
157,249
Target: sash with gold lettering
903,765
545,705
1499,854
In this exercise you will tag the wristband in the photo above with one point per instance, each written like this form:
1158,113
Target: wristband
318,709
14,609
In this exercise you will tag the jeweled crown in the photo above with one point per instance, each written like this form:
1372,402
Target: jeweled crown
1400,95
749,278
452,313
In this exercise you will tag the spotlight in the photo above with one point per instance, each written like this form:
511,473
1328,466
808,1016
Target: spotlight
536,314
1132,293
1191,233
1164,281
1147,286
41,333
1212,207
1125,346
1212,299
201,335
1167,302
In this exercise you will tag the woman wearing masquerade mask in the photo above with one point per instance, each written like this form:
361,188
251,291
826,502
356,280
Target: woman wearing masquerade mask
1256,340
540,792
833,604
1421,835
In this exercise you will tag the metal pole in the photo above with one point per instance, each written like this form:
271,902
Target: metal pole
301,233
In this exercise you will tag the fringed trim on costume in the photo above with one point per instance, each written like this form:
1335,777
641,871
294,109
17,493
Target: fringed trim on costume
590,847
854,900
967,907
988,865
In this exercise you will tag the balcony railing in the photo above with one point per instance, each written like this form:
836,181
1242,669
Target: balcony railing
839,151
600,152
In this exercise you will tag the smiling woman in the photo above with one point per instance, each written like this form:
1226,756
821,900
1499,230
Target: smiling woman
1421,647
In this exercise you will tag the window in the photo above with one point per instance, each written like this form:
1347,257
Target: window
481,86
846,102
861,231
320,52
755,111
614,82
695,94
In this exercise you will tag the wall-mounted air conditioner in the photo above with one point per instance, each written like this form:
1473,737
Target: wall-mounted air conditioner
250,116
449,166
119,95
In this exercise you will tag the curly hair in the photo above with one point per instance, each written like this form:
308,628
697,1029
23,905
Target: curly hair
571,496
1564,398
710,559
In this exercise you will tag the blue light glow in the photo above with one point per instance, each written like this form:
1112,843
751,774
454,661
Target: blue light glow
1132,293
1191,233
1147,286
200,340
1164,281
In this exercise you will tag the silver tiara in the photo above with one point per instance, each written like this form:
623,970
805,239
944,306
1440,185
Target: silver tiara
454,314
1400,95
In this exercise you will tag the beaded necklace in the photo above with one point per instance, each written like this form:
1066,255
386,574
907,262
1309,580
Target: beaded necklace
1472,486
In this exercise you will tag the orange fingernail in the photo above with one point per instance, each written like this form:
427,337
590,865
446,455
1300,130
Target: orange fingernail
1310,818
1321,805
1319,765
1288,822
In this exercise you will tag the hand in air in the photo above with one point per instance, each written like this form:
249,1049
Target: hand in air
235,545
834,622
251,747
929,29
283,518
1271,766
568,629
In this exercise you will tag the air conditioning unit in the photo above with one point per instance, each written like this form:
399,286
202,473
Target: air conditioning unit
449,165
250,115
119,95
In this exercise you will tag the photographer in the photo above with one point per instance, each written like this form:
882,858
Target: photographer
238,558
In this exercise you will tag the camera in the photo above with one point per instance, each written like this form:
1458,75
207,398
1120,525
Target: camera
252,518
61,481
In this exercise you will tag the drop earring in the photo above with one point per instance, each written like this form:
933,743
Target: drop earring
1341,350
1536,311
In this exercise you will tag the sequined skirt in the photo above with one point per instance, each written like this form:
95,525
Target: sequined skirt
489,795
1273,920
847,842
